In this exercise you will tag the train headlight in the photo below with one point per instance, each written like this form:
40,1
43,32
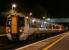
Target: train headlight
20,30
8,30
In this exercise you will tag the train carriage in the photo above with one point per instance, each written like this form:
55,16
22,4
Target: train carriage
20,27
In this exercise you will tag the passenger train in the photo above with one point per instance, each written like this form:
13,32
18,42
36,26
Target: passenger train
21,27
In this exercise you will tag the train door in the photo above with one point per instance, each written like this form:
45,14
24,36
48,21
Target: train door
14,25
26,29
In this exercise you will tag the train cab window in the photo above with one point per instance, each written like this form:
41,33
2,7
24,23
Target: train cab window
8,23
20,21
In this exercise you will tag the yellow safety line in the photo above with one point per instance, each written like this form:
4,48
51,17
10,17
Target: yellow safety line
54,43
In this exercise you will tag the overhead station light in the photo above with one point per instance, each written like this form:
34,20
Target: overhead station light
13,5
48,19
45,22
27,17
43,17
33,20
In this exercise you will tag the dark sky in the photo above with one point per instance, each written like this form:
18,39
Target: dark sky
39,8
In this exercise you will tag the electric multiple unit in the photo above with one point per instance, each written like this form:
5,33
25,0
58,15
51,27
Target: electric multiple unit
20,27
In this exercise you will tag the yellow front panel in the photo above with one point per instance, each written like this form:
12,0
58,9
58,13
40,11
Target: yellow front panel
14,24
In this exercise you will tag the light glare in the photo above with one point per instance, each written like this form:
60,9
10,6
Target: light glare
14,5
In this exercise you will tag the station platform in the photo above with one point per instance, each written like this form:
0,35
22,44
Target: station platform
47,44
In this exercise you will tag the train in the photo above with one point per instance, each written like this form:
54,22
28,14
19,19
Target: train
21,27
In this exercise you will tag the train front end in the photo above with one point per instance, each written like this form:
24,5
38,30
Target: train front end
14,27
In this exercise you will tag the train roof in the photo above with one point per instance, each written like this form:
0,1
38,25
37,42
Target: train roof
11,12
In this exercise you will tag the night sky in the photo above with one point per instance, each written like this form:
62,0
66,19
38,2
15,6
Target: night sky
39,8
